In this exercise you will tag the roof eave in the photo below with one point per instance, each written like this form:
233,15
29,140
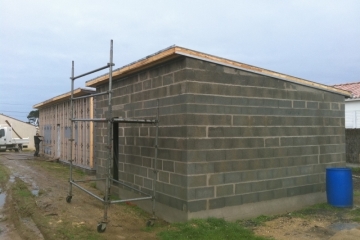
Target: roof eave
176,51
64,97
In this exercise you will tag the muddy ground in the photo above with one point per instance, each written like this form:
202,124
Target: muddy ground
84,210
126,222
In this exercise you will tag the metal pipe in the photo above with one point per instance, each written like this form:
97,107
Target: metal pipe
89,119
89,180
130,200
96,70
71,127
91,95
85,190
129,120
155,159
109,161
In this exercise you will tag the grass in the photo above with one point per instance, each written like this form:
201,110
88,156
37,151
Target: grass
356,170
4,175
209,229
258,221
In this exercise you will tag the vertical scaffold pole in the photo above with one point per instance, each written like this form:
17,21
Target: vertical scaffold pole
109,125
68,199
155,160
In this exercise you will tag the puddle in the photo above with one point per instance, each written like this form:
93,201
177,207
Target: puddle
35,192
2,199
343,226
12,179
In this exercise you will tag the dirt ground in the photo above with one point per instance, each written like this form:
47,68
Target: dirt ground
83,209
126,224
323,225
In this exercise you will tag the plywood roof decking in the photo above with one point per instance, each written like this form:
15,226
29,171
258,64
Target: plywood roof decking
66,96
176,51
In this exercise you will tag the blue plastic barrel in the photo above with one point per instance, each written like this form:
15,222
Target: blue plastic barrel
339,187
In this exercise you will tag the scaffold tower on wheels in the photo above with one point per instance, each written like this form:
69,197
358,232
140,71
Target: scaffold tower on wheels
110,120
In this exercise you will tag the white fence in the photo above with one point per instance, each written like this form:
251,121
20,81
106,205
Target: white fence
352,119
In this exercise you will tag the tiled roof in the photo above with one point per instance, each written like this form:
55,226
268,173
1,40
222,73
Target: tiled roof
354,88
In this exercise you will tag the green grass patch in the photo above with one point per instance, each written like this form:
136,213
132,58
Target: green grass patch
356,170
4,175
209,229
258,221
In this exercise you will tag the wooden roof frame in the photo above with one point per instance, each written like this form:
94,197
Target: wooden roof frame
64,97
176,51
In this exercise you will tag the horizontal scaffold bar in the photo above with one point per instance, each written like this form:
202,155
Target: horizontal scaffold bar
89,119
85,190
129,120
93,71
130,200
89,180
91,95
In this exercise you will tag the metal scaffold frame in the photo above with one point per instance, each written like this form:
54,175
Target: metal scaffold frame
101,227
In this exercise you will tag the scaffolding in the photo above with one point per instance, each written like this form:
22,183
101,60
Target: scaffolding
101,227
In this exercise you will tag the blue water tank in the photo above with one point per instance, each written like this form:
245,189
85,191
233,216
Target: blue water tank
339,187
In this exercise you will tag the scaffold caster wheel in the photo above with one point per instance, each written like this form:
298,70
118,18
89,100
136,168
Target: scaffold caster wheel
101,227
150,223
68,199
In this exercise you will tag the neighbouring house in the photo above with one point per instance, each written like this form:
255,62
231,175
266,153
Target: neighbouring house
235,140
352,121
54,115
24,129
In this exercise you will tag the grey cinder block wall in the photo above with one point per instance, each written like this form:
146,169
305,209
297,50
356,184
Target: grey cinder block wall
232,143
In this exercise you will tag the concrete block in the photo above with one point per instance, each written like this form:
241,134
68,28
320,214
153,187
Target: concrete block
250,198
298,104
196,181
233,177
266,195
259,186
168,166
164,176
216,203
168,79
271,142
195,206
242,188
247,176
204,192
178,180
312,105
216,179
233,200
224,190
285,103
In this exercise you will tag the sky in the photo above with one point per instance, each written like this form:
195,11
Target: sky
314,40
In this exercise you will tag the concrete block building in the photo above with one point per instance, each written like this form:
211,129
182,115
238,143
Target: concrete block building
235,140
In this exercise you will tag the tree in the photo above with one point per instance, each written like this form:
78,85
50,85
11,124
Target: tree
33,116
